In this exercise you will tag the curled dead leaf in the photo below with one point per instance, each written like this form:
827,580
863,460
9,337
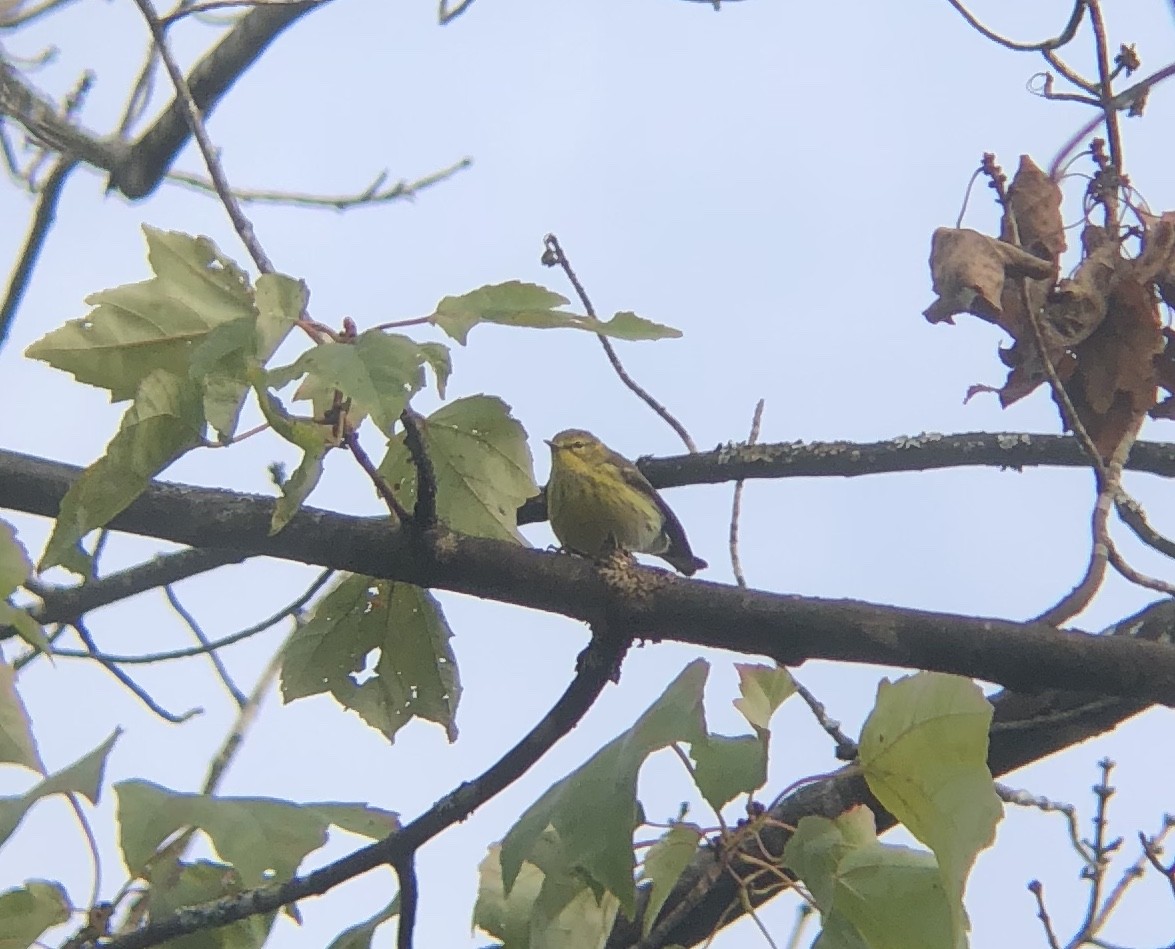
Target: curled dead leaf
968,270
1034,203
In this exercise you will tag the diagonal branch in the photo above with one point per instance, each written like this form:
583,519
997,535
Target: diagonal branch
596,667
151,156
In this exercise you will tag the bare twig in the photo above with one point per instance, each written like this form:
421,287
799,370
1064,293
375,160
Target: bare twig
374,193
1087,587
1037,890
1022,798
1100,850
44,215
1109,110
554,256
846,748
382,488
409,897
217,663
1061,39
139,692
293,609
195,120
91,845
737,503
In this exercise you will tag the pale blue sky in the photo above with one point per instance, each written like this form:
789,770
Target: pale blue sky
765,179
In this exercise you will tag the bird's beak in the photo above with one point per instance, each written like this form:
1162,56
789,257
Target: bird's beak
550,443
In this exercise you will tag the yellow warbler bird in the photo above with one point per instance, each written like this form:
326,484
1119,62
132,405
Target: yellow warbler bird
598,501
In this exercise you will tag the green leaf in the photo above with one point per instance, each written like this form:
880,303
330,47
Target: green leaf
549,906
594,809
175,885
362,819
763,689
264,839
27,911
139,329
165,420
27,628
415,674
360,936
15,566
83,777
725,767
924,755
870,896
379,372
281,301
225,363
664,864
482,465
437,356
17,744
526,304
313,438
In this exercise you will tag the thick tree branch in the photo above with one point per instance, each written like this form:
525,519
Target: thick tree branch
789,629
64,604
152,155
42,119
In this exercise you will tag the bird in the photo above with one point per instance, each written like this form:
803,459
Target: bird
598,502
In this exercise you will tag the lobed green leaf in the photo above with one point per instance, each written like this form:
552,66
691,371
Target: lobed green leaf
482,464
415,674
515,303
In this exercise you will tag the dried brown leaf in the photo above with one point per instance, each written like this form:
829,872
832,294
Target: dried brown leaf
1116,379
968,270
1034,200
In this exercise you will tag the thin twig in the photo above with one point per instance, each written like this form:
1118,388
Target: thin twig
554,256
737,503
44,215
374,193
409,898
91,845
1022,798
241,224
139,692
382,488
1109,110
846,748
1100,851
424,514
595,668
245,719
1064,37
1037,890
1087,587
291,610
217,663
